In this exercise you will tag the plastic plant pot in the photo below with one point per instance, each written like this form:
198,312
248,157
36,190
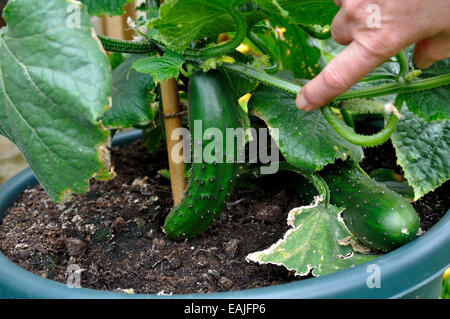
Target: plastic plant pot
414,270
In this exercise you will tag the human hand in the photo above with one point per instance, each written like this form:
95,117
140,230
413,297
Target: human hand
371,42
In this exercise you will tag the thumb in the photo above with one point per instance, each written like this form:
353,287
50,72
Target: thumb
344,70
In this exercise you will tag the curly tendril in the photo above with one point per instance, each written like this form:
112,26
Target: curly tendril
206,53
350,135
275,66
404,67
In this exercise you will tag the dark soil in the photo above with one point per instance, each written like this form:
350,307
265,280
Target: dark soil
114,232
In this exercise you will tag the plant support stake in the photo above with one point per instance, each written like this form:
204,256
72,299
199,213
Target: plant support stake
171,105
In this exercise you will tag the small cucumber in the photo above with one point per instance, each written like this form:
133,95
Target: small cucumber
122,46
377,216
212,102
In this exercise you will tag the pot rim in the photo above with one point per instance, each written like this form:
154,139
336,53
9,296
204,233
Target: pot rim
402,271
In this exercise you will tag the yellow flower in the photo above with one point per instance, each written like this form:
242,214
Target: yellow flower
447,274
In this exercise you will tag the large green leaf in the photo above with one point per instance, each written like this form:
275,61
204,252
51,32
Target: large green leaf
131,96
183,21
312,12
55,82
290,45
432,104
438,68
305,139
423,151
314,241
109,7
161,68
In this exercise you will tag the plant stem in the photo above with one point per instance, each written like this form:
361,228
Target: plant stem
387,89
264,78
404,67
396,88
378,77
275,66
314,178
318,182
350,135
347,118
116,45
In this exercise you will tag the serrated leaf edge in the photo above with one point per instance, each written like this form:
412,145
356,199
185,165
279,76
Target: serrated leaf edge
344,155
255,257
418,192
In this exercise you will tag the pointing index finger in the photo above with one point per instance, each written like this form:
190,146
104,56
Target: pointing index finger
344,71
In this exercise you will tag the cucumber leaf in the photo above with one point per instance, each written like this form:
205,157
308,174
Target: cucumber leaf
423,151
109,7
182,21
433,104
438,68
290,44
55,83
305,139
302,11
131,97
161,68
317,241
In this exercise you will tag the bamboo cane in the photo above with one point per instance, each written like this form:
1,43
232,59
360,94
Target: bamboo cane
171,105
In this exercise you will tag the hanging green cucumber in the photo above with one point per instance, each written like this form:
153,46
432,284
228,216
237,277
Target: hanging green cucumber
377,216
123,46
213,109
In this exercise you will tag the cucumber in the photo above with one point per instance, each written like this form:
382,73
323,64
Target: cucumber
122,46
377,216
212,101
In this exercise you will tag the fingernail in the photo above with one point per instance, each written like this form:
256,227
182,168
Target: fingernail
301,102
